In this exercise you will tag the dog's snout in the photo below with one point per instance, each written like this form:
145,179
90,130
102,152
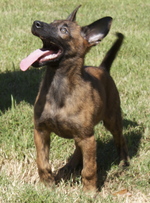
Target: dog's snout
38,24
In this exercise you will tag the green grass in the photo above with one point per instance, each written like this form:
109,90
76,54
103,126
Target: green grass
19,181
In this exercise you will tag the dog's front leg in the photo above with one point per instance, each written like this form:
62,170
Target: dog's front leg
89,171
42,143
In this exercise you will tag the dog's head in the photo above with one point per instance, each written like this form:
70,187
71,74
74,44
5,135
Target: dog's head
64,38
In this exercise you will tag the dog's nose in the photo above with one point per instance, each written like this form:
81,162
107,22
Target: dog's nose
38,24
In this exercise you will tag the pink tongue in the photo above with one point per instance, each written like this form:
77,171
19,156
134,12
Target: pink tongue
29,60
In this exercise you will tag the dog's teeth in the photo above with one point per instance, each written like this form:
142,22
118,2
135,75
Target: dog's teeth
52,43
48,57
51,56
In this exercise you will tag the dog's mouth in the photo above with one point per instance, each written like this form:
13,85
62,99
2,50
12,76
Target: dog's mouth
40,57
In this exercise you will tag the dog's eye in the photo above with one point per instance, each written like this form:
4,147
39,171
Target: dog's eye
64,30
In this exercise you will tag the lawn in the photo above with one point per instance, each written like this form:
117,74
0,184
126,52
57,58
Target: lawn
19,181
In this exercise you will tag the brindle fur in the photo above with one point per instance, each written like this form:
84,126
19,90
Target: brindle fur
73,98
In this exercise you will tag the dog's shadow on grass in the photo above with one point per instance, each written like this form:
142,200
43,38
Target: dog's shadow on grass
19,86
107,155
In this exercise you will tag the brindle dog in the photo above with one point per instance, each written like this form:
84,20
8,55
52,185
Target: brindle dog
73,98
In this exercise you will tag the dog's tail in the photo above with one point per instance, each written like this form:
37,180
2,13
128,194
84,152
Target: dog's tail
112,53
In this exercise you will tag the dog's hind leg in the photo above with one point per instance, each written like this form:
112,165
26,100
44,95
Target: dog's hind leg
74,162
114,125
42,143
76,158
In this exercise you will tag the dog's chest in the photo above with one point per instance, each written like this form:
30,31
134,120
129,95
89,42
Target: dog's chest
68,108
66,115
58,111
63,121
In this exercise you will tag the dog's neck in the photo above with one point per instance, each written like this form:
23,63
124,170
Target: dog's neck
67,69
61,80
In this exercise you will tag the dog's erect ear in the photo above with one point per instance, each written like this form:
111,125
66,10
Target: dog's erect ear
96,31
72,16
